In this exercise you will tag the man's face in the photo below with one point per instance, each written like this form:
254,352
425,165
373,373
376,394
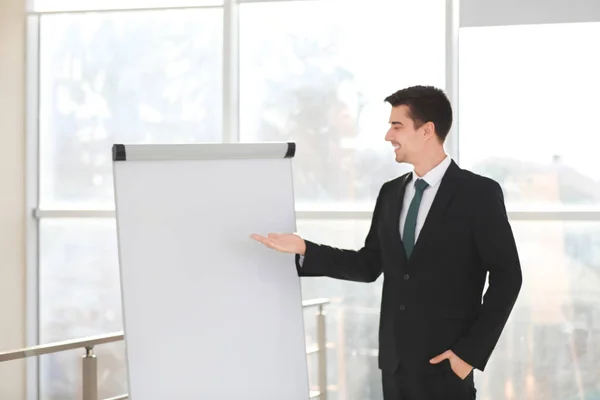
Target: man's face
408,142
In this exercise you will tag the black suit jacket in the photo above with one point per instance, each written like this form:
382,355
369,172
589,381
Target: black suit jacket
432,302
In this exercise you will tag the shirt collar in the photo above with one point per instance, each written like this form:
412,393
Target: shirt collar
434,177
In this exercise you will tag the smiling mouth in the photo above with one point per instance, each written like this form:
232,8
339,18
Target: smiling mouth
396,147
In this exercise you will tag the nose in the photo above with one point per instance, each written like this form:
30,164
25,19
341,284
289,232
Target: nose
388,136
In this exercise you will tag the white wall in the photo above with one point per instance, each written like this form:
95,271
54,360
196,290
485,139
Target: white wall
12,194
517,12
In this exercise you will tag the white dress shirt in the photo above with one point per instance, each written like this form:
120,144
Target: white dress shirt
433,179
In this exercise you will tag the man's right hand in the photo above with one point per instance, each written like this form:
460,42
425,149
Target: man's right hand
283,242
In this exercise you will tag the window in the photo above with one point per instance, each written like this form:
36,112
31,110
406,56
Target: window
310,72
549,347
352,316
104,78
114,77
80,296
527,99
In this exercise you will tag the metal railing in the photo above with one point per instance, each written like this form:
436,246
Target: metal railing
89,363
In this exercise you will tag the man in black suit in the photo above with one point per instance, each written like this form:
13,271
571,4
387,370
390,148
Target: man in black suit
436,233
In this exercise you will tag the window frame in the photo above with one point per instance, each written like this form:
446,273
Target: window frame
32,223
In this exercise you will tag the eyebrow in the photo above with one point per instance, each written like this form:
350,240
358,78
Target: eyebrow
396,123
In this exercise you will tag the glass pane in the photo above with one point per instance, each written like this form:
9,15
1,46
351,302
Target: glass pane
68,5
79,296
549,349
317,72
526,98
352,316
115,77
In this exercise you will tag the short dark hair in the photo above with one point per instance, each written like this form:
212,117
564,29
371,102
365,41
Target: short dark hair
425,103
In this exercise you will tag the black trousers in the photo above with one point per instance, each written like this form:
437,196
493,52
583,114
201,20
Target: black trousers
442,385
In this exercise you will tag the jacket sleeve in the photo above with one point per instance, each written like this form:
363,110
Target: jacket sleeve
496,248
362,265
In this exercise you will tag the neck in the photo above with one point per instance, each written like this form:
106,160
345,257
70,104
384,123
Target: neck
429,162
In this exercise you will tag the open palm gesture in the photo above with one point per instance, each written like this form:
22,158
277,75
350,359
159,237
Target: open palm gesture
283,242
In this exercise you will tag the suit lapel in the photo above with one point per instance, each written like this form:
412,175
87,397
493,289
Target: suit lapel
442,200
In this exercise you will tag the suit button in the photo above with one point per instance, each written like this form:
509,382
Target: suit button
402,307
406,277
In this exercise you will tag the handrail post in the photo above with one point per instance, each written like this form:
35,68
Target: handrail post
322,354
90,374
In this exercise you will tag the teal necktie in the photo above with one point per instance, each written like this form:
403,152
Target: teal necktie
410,225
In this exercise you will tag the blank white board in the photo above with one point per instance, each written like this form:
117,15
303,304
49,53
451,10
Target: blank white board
208,312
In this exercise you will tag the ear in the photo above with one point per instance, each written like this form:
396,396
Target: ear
428,130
